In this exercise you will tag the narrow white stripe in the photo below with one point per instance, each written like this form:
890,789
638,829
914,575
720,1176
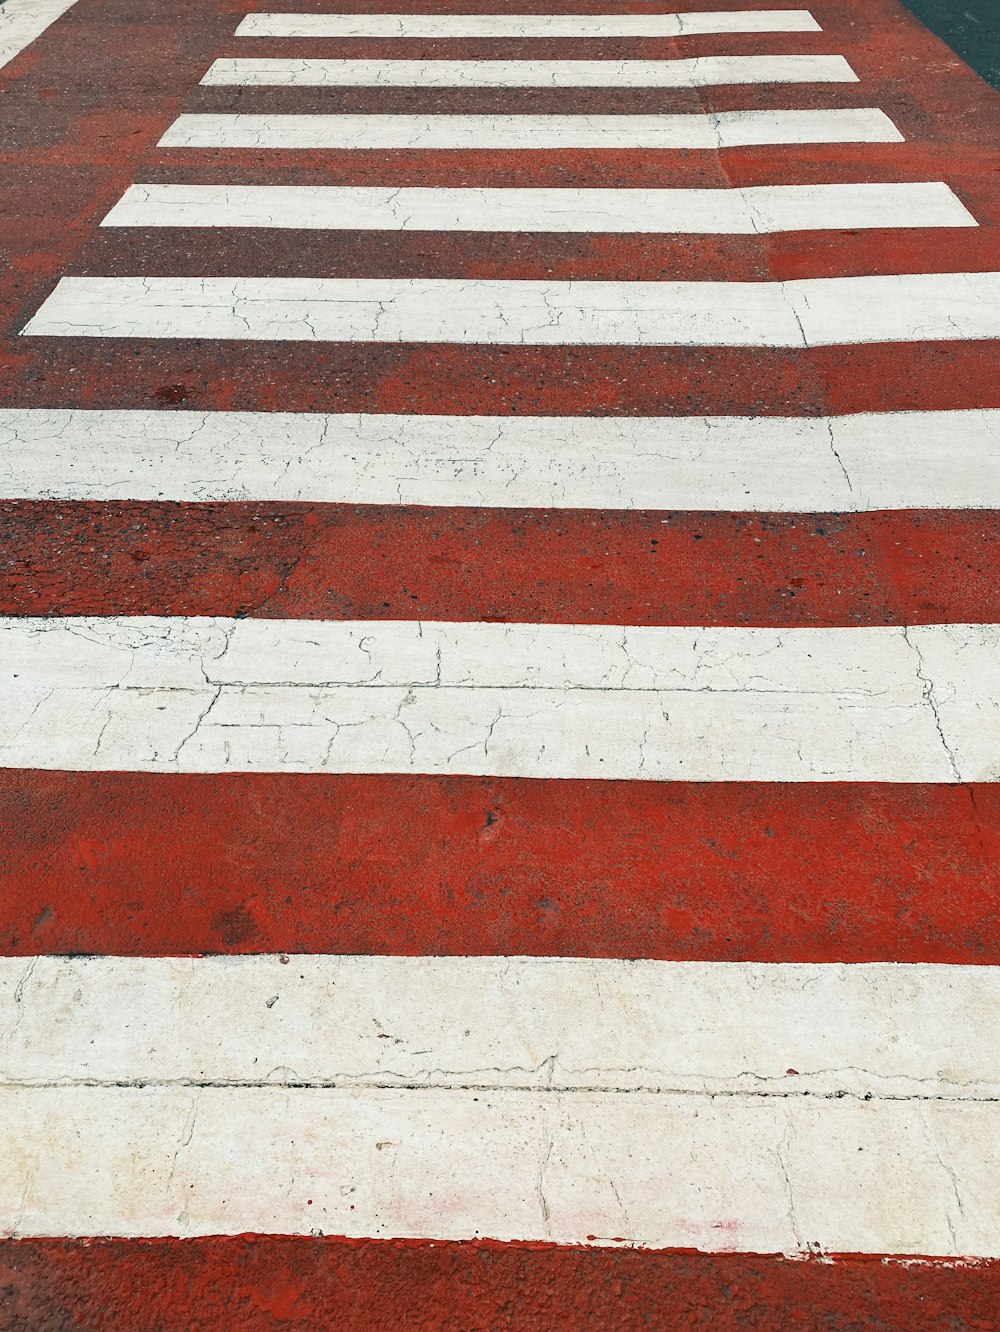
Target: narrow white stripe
581,701
21,21
698,72
752,1173
712,130
535,1023
806,313
915,460
748,211
526,25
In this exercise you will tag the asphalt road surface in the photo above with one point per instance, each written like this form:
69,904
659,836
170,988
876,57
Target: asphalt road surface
499,666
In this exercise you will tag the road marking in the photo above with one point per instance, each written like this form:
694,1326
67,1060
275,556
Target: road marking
314,561
748,211
21,21
697,72
723,871
749,1173
811,312
526,25
903,460
709,130
176,694
545,1023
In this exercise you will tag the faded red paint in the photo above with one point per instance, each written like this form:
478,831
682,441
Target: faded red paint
269,1284
323,561
642,381
258,252
963,164
87,115
141,864
145,864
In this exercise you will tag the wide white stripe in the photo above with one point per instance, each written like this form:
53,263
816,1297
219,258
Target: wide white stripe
698,72
806,313
754,1173
581,701
711,130
526,25
21,21
902,460
547,1023
748,211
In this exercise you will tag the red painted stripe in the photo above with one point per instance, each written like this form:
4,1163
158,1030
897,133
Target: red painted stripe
964,166
86,104
632,381
227,252
537,48
541,101
276,1284
144,865
328,561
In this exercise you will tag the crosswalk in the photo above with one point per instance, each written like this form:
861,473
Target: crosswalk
505,700
836,464
706,130
699,72
724,683
811,313
740,212
573,26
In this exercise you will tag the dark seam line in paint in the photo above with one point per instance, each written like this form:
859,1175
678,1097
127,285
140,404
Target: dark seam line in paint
493,1088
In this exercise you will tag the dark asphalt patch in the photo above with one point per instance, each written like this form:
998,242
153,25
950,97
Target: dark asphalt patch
971,29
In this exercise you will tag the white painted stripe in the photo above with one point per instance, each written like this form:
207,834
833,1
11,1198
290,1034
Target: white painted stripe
747,211
710,130
751,1173
879,1029
21,21
164,694
812,312
903,460
527,25
698,72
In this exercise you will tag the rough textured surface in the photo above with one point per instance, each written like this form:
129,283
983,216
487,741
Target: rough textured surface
330,562
288,1285
905,871
149,864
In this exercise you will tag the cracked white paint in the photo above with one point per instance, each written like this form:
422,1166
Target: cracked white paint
745,1173
805,313
574,701
21,21
749,211
696,72
891,460
527,25
724,1028
710,130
